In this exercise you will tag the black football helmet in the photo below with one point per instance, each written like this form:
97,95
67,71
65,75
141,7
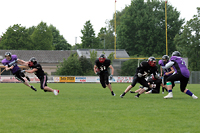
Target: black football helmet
176,53
165,57
102,58
32,61
8,54
152,61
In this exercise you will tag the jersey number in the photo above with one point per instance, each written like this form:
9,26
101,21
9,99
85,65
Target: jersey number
183,62
102,68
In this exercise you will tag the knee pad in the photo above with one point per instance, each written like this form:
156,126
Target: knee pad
145,88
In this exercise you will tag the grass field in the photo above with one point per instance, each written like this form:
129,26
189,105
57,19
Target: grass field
88,108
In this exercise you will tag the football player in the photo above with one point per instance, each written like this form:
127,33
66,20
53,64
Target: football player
37,69
145,69
102,64
167,72
154,85
181,74
10,63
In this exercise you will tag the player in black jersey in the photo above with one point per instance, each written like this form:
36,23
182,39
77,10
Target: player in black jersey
37,69
145,69
101,68
154,86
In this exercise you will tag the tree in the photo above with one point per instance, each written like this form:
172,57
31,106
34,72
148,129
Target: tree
86,66
88,39
93,56
188,42
16,38
42,37
141,29
128,68
59,42
71,66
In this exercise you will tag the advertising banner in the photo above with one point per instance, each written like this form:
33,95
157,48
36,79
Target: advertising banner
67,79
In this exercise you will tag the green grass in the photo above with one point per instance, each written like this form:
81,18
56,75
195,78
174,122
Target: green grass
88,108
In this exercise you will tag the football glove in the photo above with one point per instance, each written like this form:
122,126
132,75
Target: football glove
98,73
23,71
111,77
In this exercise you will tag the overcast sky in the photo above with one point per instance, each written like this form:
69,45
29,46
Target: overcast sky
69,16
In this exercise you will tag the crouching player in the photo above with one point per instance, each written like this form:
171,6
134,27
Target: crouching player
154,86
181,74
37,69
145,69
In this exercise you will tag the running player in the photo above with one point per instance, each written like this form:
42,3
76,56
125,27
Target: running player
37,69
102,64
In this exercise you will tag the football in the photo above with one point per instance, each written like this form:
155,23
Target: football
97,69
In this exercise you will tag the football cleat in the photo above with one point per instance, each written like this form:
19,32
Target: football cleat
136,96
194,97
56,92
121,96
169,95
113,94
33,88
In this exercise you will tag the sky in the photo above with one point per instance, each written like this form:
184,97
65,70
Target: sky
70,16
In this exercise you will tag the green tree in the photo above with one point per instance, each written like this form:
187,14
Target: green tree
59,42
128,68
188,42
71,66
93,56
42,37
88,39
141,27
86,66
16,38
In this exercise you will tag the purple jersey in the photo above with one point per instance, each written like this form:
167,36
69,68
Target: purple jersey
6,62
180,66
161,63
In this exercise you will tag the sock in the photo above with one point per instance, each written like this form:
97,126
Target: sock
123,94
169,91
189,93
112,92
163,88
138,95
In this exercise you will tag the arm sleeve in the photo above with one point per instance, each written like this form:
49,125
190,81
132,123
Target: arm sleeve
168,65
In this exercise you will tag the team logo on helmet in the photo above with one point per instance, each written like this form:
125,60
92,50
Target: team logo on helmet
102,58
152,61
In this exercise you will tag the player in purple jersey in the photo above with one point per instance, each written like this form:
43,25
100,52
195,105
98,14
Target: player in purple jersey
103,64
37,69
145,69
167,72
10,63
182,74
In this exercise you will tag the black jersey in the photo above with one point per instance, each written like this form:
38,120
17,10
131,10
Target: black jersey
39,73
146,68
103,67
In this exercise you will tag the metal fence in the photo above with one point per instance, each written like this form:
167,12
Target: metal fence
194,77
